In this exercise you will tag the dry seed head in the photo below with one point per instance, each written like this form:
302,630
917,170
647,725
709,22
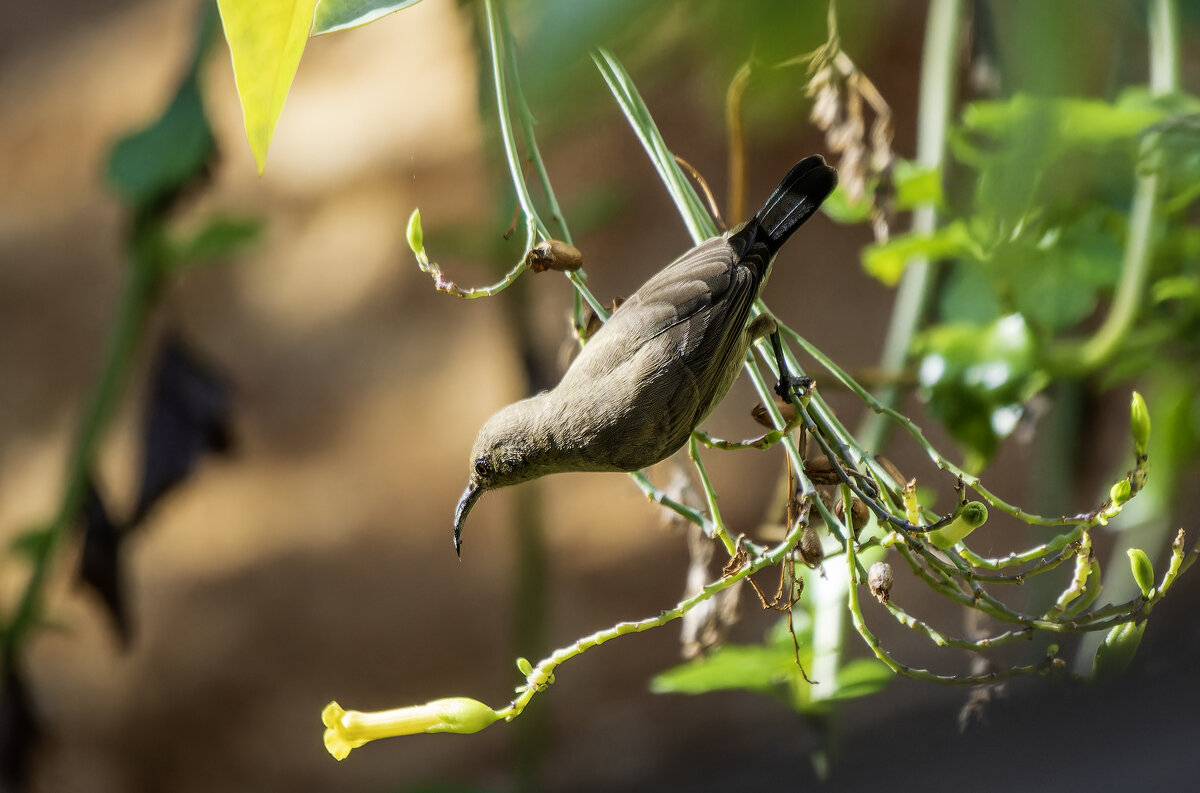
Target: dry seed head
553,255
879,579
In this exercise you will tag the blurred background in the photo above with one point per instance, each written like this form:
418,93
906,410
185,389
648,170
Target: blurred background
313,561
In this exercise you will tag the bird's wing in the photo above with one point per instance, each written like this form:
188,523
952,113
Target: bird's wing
667,354
689,286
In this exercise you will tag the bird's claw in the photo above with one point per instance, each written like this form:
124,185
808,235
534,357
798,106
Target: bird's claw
789,383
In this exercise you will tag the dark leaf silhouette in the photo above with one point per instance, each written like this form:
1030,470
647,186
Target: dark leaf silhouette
187,415
18,731
100,562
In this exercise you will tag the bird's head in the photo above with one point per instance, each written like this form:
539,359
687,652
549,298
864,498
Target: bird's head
509,449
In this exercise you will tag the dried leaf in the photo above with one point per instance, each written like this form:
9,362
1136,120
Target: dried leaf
100,562
188,415
19,731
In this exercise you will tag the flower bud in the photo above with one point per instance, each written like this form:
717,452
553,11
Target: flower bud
416,239
350,729
879,579
1139,423
1115,654
970,517
1143,570
1120,492
553,255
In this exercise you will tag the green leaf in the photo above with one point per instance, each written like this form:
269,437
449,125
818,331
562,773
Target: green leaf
762,668
887,261
217,238
1075,122
841,209
916,185
967,296
159,160
334,15
977,379
156,162
266,39
32,542
861,678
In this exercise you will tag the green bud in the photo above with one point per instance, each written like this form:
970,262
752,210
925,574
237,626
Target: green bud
524,667
1120,492
1115,654
1139,423
416,239
970,518
1143,570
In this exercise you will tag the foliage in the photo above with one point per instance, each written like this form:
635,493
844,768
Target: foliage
150,170
1058,213
1038,237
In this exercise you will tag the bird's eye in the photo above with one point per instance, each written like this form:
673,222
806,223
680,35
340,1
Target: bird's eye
482,468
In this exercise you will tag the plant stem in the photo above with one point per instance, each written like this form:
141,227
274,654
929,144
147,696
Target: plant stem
544,670
137,292
1075,359
938,86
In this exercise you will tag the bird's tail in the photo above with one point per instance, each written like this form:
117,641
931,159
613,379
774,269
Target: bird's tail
796,198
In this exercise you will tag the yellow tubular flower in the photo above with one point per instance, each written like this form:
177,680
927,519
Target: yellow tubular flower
350,729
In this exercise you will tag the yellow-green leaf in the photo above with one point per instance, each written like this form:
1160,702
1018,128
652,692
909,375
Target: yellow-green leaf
266,39
342,14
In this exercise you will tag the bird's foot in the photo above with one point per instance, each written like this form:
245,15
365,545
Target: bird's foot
790,383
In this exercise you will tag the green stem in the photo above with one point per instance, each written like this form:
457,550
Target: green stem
542,673
496,26
1076,359
137,293
710,495
938,86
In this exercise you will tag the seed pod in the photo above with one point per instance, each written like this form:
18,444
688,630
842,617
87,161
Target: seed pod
763,416
879,579
810,547
553,255
891,470
859,515
820,470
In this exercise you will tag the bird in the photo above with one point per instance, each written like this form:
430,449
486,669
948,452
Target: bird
665,358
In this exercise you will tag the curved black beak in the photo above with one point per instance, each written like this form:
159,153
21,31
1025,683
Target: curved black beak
469,497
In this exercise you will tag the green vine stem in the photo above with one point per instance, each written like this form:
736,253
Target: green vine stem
1078,359
497,29
938,72
955,572
137,294
542,673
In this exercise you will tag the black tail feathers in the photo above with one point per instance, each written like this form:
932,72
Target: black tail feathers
796,198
